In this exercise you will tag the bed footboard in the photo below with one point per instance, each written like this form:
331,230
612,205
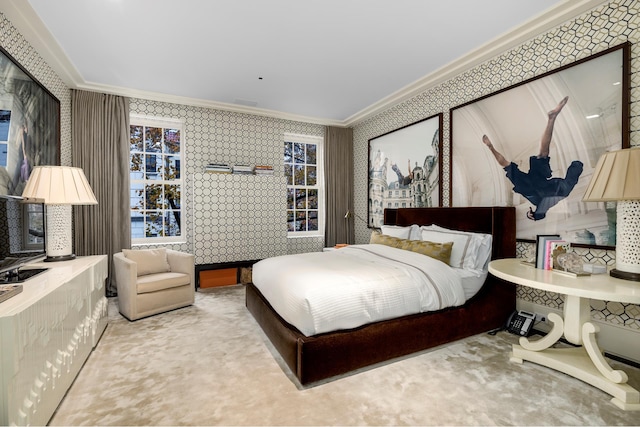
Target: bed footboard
324,356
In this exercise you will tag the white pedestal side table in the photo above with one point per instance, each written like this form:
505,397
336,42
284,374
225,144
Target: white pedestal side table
585,362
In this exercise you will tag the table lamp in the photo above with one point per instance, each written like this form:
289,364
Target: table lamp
617,178
59,187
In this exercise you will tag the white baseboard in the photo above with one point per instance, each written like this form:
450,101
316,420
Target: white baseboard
612,339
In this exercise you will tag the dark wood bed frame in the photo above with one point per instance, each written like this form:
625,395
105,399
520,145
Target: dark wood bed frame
326,355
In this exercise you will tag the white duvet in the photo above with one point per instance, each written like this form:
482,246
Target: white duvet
358,284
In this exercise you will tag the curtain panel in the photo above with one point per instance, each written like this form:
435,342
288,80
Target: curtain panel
100,146
338,143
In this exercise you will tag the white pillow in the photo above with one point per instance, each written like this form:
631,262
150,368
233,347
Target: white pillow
149,261
471,251
478,252
410,232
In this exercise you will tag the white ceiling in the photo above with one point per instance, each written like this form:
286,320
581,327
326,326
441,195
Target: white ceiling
324,61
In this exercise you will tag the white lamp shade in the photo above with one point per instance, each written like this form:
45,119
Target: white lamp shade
616,177
59,185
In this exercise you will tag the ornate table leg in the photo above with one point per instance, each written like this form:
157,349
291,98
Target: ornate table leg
585,363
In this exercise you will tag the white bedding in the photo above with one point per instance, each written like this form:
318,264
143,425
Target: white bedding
359,284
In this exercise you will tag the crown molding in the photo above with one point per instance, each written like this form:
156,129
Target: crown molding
546,21
23,17
198,102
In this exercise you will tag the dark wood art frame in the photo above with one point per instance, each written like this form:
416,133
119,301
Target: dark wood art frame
418,143
514,118
29,125
323,356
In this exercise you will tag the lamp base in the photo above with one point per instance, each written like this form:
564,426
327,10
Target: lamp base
624,275
60,258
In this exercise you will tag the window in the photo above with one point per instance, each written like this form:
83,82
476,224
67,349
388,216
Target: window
303,167
33,226
155,158
5,124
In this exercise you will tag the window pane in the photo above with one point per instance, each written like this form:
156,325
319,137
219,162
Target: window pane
299,175
136,138
172,223
35,224
311,175
153,225
301,198
301,221
153,195
172,141
171,167
313,221
136,199
153,139
311,154
288,172
298,152
135,166
137,225
288,152
152,166
3,153
313,199
172,196
290,193
290,221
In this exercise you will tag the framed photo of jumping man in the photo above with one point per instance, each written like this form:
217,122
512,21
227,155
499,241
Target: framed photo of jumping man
535,146
404,168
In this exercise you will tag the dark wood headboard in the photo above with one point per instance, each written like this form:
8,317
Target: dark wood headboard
498,221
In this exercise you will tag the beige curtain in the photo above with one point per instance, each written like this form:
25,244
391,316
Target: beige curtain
338,172
100,146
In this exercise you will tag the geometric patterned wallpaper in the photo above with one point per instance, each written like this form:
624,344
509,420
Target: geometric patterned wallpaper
225,205
607,26
229,137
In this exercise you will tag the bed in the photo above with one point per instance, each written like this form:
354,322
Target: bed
328,354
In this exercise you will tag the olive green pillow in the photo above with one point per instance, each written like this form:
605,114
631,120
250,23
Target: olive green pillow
439,251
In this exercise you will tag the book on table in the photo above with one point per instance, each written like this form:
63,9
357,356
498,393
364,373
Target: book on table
8,291
541,245
558,246
555,248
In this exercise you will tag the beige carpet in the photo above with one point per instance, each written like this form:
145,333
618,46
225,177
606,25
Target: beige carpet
210,364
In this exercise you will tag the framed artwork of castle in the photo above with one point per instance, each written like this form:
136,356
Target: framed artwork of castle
404,168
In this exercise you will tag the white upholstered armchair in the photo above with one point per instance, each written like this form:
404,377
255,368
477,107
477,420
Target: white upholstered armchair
152,281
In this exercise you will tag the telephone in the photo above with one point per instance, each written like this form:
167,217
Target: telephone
520,322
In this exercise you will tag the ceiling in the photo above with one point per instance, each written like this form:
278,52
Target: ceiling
332,62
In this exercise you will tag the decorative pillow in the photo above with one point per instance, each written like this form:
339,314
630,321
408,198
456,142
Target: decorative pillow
439,251
149,261
411,232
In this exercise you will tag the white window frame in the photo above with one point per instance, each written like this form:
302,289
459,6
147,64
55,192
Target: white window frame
149,121
320,185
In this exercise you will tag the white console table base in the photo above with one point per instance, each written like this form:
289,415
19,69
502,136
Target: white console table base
586,361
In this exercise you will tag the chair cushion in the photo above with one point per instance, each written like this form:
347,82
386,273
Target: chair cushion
160,281
149,261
